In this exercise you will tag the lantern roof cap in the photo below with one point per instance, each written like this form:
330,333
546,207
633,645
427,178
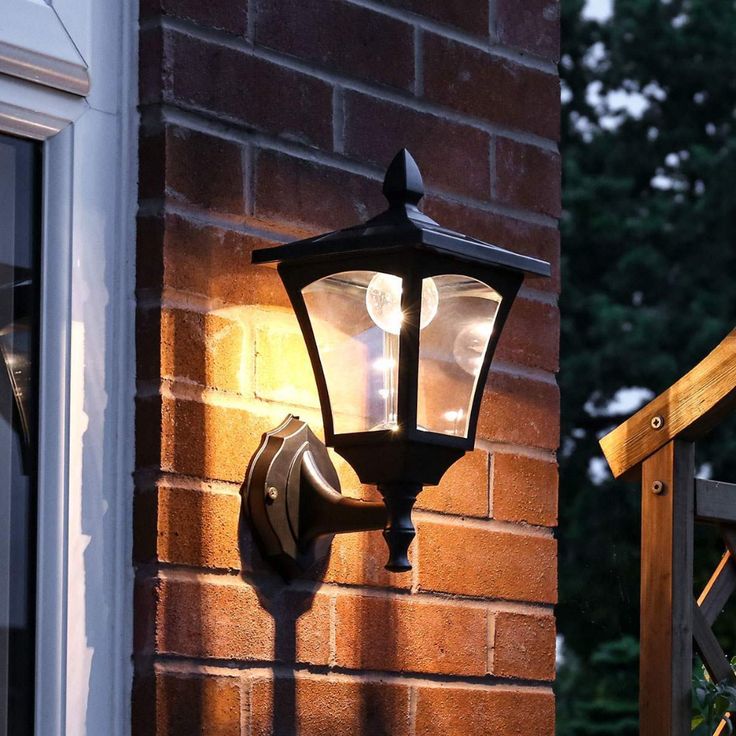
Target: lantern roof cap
402,225
403,182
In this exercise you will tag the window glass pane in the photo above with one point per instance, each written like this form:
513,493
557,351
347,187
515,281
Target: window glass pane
452,347
356,318
19,256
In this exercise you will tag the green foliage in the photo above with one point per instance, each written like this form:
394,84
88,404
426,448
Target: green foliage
711,703
649,269
599,697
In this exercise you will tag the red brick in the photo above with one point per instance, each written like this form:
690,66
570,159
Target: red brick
321,706
531,336
538,241
200,528
204,440
360,559
192,158
463,489
212,441
468,15
310,195
524,646
188,527
143,706
352,40
205,349
148,260
524,489
167,703
500,711
230,620
490,87
186,160
281,369
145,527
148,426
148,341
145,600
233,84
188,256
452,157
521,411
350,482
532,26
377,633
150,65
152,166
528,177
240,350
484,562
225,15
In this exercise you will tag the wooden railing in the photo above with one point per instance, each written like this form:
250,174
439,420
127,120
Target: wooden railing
657,446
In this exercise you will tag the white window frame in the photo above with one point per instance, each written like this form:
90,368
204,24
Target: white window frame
49,52
35,45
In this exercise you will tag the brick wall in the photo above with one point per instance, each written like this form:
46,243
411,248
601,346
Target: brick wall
261,122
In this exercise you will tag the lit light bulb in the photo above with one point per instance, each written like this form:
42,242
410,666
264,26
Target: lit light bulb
470,346
454,415
383,302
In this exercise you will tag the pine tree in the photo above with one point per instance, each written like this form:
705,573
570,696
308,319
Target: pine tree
649,269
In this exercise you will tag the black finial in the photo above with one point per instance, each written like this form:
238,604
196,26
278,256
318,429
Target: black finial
403,183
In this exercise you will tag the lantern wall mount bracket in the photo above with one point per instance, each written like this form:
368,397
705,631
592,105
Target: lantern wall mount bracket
291,494
295,503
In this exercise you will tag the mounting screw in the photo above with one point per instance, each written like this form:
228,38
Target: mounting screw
657,422
272,493
658,487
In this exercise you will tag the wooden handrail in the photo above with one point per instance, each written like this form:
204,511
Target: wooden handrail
657,445
687,410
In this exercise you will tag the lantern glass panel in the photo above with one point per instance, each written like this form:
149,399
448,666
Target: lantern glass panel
452,350
356,318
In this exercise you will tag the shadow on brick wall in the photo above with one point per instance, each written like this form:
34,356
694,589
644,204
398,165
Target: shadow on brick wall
286,605
332,649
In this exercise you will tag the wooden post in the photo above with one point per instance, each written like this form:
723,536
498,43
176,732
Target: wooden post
656,445
667,590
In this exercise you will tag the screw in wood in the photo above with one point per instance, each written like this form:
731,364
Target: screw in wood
657,422
658,487
272,493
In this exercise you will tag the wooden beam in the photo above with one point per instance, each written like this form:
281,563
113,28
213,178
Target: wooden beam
709,649
715,501
722,729
688,409
719,589
729,537
666,591
716,598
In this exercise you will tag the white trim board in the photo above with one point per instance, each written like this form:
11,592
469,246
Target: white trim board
85,576
35,45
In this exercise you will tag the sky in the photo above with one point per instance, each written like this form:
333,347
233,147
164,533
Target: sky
598,9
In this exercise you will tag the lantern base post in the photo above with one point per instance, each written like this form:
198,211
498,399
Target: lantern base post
399,532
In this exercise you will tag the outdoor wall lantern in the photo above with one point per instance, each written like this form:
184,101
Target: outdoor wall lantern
401,318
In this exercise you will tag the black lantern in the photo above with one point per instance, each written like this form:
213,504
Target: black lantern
401,318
